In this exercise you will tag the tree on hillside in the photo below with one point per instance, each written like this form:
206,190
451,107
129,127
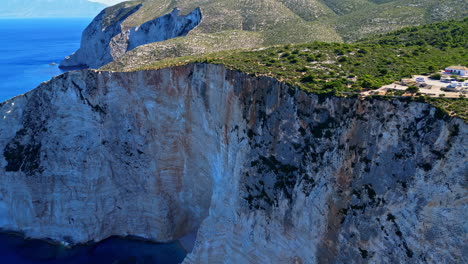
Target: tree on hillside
436,76
412,89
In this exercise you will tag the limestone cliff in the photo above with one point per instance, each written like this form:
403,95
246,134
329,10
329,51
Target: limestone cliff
264,172
104,41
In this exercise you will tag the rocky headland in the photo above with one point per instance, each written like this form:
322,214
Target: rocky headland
262,171
104,41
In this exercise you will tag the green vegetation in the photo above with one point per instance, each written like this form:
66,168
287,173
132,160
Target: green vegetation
331,67
412,89
259,23
455,106
118,12
390,15
354,19
447,34
436,76
347,69
318,67
341,7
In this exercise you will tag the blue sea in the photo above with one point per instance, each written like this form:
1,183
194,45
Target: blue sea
29,46
17,250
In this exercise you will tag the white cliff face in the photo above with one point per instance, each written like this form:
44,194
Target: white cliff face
94,48
267,174
163,28
102,43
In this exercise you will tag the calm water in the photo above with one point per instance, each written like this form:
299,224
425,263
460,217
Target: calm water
28,46
15,250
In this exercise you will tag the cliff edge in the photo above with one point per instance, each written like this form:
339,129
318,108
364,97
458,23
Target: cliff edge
266,173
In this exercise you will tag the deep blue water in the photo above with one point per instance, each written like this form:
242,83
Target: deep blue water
16,250
28,46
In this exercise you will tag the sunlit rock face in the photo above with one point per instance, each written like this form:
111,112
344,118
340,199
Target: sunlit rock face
103,42
264,172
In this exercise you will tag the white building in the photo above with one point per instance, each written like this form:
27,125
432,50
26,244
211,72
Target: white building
457,70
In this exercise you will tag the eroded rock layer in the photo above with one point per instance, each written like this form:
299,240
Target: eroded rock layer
266,173
102,42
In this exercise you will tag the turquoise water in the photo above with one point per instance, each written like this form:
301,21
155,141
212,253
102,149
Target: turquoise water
28,46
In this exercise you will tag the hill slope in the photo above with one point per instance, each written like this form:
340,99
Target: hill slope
49,8
228,24
441,35
396,14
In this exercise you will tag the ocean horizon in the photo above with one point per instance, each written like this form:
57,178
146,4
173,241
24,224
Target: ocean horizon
32,50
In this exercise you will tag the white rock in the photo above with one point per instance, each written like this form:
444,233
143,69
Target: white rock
266,174
101,43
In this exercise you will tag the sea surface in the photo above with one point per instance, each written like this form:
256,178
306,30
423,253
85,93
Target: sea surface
29,46
17,250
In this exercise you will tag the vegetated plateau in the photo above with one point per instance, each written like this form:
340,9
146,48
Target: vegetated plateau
347,69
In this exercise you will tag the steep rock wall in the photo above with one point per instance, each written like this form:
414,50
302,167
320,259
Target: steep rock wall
102,43
266,173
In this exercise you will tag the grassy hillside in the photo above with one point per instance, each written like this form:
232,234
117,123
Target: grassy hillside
346,69
396,14
341,7
249,15
353,19
229,24
441,35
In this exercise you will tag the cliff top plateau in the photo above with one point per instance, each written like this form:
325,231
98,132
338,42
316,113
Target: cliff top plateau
342,69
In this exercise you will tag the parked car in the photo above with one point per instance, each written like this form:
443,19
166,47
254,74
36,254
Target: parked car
420,79
453,84
450,88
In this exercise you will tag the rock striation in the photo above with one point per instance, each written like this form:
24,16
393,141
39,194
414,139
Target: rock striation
265,173
103,41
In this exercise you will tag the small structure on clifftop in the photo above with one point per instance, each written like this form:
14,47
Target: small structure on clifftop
457,70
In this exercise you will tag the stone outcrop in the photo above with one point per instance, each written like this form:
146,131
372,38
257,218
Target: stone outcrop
264,172
102,42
